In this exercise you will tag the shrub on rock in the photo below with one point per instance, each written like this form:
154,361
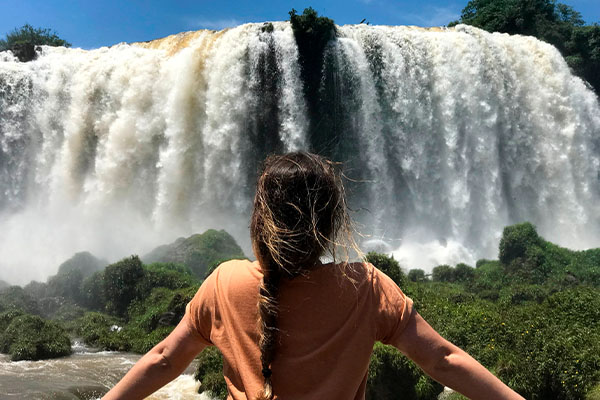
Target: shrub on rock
199,252
29,337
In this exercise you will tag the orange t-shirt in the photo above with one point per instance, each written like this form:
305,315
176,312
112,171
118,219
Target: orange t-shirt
329,320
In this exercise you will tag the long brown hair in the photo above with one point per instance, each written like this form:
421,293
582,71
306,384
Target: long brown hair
299,213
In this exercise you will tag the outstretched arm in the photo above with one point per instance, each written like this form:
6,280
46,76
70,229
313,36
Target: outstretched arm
448,364
159,366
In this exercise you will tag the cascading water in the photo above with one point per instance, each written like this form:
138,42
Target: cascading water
450,135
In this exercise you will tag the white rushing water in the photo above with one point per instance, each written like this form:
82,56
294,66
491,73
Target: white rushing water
453,134
85,374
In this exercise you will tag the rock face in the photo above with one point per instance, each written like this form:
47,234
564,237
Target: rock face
200,252
25,51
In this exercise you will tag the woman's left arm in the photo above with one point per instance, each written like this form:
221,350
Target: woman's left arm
166,361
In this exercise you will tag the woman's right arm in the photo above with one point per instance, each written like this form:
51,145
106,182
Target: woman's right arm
448,364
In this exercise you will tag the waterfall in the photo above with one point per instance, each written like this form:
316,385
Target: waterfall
448,135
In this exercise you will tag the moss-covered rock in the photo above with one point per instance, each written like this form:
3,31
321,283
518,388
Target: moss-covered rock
84,261
29,337
199,252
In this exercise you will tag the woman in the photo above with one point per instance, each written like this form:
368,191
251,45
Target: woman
312,333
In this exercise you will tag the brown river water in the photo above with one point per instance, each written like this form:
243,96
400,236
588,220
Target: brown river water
86,374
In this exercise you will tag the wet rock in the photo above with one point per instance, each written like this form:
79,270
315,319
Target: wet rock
25,51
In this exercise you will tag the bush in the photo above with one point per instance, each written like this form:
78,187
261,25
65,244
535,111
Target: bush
6,318
210,373
167,275
489,278
522,293
516,240
388,266
120,284
463,273
102,331
417,275
29,337
27,34
442,273
391,374
92,292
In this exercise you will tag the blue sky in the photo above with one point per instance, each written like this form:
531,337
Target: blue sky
96,23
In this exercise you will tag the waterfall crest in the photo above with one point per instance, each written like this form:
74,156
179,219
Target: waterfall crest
449,135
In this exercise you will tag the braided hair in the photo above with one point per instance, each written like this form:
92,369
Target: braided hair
299,210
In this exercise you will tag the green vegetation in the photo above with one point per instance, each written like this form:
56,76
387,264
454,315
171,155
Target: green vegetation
16,298
149,323
69,278
127,306
200,252
22,41
445,273
391,373
120,284
30,35
388,265
210,373
416,275
532,318
29,337
555,23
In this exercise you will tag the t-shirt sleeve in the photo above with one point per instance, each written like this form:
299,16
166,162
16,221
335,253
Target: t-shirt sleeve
394,308
200,312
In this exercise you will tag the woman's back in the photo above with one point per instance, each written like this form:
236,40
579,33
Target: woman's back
329,318
291,328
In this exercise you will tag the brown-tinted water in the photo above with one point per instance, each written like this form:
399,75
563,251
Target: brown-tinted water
84,375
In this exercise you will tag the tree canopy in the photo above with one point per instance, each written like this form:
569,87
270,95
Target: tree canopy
27,34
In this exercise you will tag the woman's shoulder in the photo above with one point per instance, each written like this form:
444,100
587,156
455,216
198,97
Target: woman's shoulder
352,274
237,271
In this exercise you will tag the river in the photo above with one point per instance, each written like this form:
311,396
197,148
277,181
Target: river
86,374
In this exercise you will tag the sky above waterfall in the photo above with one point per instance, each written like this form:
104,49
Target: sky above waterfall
92,24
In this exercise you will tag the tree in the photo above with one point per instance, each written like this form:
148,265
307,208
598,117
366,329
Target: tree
120,284
23,41
463,273
27,34
443,273
388,266
525,17
417,275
